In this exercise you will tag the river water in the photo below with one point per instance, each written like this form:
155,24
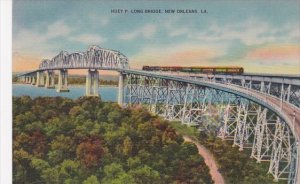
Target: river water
107,93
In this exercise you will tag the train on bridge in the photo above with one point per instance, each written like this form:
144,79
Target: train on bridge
197,69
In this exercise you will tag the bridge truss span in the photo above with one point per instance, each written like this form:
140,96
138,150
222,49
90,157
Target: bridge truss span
247,118
94,58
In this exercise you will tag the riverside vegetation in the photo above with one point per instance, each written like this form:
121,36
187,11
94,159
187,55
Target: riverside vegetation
59,140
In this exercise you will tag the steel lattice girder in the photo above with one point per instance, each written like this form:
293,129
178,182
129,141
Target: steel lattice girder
288,92
246,123
95,57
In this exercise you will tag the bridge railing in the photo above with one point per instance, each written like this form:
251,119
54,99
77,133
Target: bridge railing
231,84
256,91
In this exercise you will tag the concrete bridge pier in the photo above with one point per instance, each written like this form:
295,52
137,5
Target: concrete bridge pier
121,89
32,80
92,83
28,79
49,79
40,81
62,85
22,79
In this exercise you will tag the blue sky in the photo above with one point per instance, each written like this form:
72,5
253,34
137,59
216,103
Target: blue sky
262,36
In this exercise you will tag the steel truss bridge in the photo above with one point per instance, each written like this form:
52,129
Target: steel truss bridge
255,111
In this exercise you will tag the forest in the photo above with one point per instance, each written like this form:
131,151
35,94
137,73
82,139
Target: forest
64,141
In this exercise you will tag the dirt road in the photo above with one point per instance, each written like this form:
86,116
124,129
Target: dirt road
209,161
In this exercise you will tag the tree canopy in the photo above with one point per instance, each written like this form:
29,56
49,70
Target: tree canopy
59,140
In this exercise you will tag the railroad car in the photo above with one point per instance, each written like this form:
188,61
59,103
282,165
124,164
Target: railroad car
197,69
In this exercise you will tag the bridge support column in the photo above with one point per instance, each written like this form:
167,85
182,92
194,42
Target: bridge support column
261,148
121,89
49,79
282,152
40,81
32,80
240,125
262,86
25,79
62,85
229,122
92,83
288,93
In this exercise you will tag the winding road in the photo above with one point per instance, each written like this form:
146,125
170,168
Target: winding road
209,161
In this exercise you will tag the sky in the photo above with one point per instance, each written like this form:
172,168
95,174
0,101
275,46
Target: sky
261,36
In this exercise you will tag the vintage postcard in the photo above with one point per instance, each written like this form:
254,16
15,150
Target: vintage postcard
156,92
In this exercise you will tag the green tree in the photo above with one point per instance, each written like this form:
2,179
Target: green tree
91,180
68,170
127,146
50,176
62,147
145,175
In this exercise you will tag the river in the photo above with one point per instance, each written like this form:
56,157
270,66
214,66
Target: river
107,93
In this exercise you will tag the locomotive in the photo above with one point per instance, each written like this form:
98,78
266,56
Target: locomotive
197,69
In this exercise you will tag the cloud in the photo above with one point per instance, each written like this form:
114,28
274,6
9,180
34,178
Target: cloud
89,39
95,19
56,29
267,58
251,32
30,46
182,54
147,31
287,54
174,27
178,31
35,42
103,20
